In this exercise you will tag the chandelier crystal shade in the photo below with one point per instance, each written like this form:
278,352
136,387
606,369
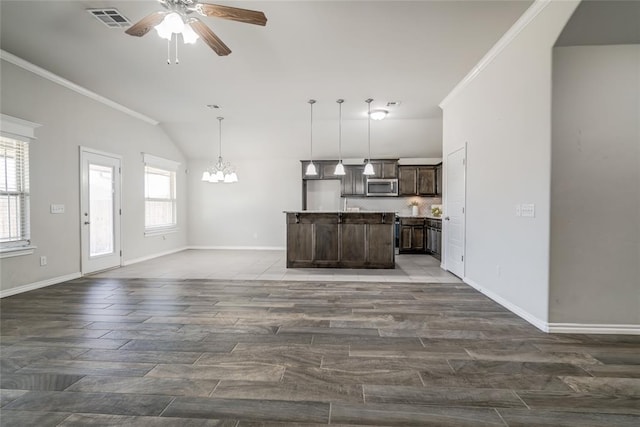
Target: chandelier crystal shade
221,171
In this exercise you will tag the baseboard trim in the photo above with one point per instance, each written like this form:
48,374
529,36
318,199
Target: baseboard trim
152,256
239,248
588,328
38,285
515,309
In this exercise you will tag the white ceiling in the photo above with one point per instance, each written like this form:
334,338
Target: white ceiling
414,52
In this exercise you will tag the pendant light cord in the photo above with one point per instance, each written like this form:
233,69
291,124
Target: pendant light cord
311,102
368,101
340,101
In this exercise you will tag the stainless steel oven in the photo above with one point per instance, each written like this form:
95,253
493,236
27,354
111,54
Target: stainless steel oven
382,187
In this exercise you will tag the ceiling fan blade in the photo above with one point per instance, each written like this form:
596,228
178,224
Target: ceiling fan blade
210,38
233,13
145,25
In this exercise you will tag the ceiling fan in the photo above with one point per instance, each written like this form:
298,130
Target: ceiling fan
177,19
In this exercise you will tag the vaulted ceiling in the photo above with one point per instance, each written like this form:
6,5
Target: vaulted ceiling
414,52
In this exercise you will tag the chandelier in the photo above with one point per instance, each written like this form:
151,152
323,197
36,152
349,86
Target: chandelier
221,171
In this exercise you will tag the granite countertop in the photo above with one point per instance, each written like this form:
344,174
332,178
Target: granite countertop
421,216
344,212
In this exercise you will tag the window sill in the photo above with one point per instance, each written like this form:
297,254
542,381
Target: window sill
160,231
17,251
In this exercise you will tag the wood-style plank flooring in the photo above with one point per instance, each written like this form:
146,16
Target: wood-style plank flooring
196,352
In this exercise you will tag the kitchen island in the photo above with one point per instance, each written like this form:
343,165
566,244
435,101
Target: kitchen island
340,239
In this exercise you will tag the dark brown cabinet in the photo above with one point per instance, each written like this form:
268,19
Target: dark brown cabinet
340,239
439,179
413,237
354,181
325,169
385,168
434,237
417,180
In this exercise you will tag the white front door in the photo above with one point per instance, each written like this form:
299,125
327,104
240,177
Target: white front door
100,211
454,212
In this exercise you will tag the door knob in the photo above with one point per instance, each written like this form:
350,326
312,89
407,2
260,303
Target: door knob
86,223
446,218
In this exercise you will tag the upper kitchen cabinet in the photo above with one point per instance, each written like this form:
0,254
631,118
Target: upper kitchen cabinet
325,169
385,168
417,180
354,182
439,179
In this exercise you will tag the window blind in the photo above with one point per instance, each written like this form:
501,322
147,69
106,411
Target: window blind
14,192
160,196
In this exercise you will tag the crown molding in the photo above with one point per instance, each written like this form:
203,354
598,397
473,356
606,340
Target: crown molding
522,22
19,62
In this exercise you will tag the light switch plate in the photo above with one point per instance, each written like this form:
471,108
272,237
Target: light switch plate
528,210
57,209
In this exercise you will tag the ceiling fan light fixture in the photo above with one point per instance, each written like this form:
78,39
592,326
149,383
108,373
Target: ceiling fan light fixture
163,32
188,35
173,22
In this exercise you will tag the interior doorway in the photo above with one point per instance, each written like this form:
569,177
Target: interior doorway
454,219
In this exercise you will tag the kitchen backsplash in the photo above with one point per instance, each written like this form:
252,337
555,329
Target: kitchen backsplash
393,204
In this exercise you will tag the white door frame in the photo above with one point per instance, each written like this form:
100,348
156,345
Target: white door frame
457,268
87,265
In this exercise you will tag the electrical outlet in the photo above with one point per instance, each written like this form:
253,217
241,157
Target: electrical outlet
43,261
56,209
528,210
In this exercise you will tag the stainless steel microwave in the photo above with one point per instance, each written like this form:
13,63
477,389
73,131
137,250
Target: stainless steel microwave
382,187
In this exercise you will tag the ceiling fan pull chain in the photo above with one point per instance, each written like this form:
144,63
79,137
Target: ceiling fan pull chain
177,61
168,52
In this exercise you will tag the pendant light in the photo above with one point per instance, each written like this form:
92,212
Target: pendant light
311,168
221,171
368,169
339,167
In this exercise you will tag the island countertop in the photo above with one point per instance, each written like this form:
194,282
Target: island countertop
339,239
344,212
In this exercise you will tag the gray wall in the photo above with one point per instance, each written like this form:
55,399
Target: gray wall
503,114
70,120
249,214
595,191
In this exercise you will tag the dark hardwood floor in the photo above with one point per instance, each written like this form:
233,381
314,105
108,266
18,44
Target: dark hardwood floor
142,352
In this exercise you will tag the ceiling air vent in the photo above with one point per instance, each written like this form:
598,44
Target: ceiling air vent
110,17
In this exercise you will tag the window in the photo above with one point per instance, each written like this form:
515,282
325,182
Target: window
15,234
14,192
159,195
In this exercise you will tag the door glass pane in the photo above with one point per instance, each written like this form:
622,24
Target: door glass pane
101,238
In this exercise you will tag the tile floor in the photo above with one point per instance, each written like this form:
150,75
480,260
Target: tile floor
182,340
270,265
